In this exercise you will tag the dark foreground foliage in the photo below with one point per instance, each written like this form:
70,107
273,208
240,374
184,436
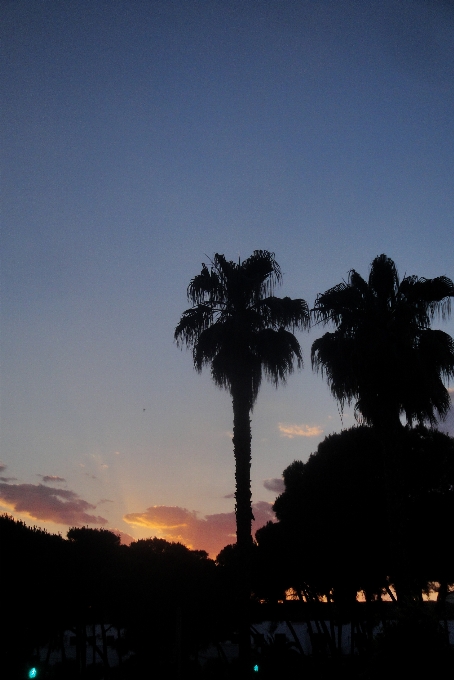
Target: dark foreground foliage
333,537
170,602
160,594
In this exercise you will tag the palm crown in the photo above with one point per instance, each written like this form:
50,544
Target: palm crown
383,355
238,327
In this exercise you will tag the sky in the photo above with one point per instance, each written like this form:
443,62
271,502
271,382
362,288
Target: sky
140,138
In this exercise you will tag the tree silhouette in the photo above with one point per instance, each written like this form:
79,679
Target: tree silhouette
165,599
332,540
332,505
238,328
383,355
33,567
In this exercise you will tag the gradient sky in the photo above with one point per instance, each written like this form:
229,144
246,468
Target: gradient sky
140,137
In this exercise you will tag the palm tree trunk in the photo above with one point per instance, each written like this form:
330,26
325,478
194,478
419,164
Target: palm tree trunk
390,430
242,453
243,511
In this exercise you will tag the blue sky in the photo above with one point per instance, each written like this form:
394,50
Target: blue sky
138,139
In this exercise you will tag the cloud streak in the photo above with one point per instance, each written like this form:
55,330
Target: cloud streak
277,484
48,503
210,533
51,478
292,431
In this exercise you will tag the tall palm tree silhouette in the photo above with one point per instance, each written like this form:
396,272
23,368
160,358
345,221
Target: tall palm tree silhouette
384,357
238,328
242,331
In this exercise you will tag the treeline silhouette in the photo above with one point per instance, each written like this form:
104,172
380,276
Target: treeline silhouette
166,603
144,589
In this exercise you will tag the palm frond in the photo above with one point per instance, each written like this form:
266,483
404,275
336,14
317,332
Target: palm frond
278,352
432,297
192,323
262,269
205,287
233,311
213,340
383,356
383,278
336,303
285,313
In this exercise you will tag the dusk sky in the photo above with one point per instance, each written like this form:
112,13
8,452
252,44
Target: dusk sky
140,137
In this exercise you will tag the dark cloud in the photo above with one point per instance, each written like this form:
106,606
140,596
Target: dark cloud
8,479
229,495
51,478
276,484
47,503
210,533
2,467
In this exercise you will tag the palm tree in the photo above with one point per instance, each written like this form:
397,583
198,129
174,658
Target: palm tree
238,328
384,357
383,354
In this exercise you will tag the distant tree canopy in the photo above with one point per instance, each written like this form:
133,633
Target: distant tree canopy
332,532
93,539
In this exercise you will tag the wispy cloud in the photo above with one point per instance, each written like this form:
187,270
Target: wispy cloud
291,431
210,533
48,503
2,467
276,484
51,478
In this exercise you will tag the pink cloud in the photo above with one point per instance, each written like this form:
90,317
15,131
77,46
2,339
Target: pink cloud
125,539
292,431
210,533
47,503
